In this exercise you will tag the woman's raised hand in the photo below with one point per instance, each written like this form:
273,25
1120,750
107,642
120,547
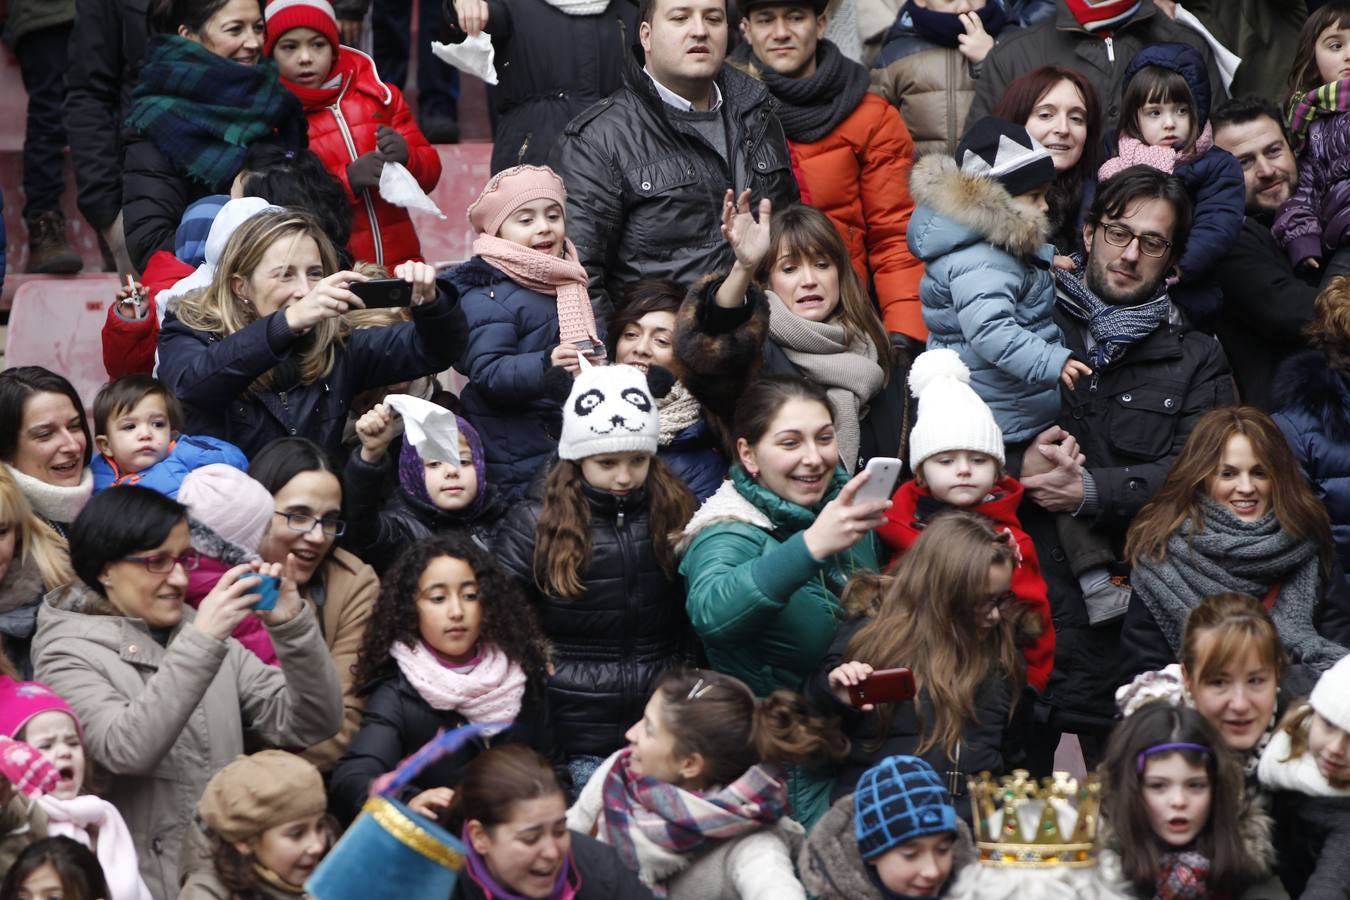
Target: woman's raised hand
845,676
289,602
844,521
326,300
422,276
229,601
748,237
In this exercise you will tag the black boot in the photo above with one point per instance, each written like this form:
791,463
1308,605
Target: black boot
49,253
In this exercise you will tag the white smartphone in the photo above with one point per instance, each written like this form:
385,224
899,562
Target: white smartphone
884,472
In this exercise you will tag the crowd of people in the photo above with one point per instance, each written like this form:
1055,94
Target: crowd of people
845,402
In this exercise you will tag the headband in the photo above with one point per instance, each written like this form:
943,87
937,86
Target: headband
1142,758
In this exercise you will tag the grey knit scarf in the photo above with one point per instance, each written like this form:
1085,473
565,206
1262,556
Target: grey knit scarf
812,106
1228,554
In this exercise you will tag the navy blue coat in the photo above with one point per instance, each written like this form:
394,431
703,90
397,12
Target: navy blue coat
694,458
211,374
512,331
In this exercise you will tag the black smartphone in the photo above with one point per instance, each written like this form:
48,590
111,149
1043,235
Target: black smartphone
383,293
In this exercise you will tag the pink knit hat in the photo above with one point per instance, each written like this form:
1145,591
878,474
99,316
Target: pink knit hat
508,190
20,701
283,15
229,502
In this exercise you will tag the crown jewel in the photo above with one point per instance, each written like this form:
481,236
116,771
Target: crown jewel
1021,823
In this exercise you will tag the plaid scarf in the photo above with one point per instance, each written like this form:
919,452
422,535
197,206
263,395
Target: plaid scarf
1329,99
640,812
1114,328
203,111
1183,876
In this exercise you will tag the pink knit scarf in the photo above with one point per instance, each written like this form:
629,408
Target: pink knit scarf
563,277
490,692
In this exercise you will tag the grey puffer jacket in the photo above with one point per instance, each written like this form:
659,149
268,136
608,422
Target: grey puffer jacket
987,292
832,868
162,720
644,190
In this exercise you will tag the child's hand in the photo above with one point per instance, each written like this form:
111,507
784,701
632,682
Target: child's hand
1063,262
565,355
842,677
391,145
376,431
1006,534
976,43
363,173
131,300
1311,264
431,802
748,238
1072,371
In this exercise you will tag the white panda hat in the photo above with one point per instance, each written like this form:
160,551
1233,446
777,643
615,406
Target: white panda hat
610,409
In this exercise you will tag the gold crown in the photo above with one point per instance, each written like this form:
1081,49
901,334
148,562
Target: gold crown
1022,824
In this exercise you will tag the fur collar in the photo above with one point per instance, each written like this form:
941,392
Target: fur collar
1307,382
476,272
726,505
207,542
978,203
78,597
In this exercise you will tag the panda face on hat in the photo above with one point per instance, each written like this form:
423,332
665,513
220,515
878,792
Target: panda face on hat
609,410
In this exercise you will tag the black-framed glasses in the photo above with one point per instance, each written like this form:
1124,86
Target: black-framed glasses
304,523
1120,236
163,563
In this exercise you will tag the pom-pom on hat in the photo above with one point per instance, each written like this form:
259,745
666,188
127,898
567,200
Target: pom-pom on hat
1330,697
610,409
20,701
951,415
283,15
1005,152
508,190
258,792
897,800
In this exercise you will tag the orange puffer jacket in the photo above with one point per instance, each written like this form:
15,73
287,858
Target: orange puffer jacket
342,126
858,175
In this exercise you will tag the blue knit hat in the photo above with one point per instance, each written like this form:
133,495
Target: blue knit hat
897,800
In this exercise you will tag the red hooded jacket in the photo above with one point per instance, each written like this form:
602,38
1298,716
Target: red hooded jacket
904,522
342,125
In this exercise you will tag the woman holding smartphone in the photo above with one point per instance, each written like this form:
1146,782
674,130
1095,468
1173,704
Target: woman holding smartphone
940,616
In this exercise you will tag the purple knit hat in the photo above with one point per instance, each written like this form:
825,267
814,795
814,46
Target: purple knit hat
414,483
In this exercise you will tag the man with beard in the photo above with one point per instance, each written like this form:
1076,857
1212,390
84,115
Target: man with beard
1153,377
646,168
1266,304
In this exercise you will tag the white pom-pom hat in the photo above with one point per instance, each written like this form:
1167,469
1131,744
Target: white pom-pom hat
951,415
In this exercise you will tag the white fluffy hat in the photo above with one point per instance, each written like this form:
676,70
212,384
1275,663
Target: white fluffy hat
951,415
610,409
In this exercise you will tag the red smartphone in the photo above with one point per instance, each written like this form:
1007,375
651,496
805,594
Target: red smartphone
884,686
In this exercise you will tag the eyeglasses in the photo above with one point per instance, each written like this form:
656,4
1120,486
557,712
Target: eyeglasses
304,523
163,563
1120,236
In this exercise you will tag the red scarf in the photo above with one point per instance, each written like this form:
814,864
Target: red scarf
1105,16
316,98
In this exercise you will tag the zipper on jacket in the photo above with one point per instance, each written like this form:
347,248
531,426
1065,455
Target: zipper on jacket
286,408
629,666
346,132
520,154
1110,49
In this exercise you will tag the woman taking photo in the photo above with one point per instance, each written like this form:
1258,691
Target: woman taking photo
163,693
1060,109
1235,514
512,816
945,617
263,352
45,443
453,642
205,95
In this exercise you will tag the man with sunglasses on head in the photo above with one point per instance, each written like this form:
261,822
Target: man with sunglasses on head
1119,430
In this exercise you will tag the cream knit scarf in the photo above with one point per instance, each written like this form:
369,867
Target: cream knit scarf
490,692
849,373
55,503
677,410
562,277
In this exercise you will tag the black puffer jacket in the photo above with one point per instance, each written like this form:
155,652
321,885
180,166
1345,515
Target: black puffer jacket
611,643
1131,420
397,722
380,529
644,190
551,67
106,49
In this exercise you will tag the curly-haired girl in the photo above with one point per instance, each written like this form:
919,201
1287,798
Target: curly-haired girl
451,641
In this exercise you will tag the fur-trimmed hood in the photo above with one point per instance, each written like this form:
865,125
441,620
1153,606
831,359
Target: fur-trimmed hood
954,208
1307,382
832,869
208,543
727,505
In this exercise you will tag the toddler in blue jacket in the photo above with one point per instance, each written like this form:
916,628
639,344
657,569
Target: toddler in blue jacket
136,423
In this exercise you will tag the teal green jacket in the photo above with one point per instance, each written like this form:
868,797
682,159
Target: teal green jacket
765,608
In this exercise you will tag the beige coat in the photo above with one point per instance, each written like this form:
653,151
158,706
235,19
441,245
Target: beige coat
933,91
350,588
160,721
205,884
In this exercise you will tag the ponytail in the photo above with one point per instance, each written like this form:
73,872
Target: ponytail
719,718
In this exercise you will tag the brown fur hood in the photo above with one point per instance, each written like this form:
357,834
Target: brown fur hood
954,208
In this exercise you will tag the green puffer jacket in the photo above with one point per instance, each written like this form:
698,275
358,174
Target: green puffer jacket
764,607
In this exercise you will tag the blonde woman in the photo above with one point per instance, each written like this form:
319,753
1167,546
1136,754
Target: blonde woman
263,351
33,560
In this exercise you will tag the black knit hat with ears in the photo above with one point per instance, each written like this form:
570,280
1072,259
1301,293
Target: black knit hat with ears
1005,152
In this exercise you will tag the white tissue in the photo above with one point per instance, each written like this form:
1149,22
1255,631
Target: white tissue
473,55
430,428
399,187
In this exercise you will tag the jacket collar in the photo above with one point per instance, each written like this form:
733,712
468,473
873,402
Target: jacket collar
740,93
85,614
